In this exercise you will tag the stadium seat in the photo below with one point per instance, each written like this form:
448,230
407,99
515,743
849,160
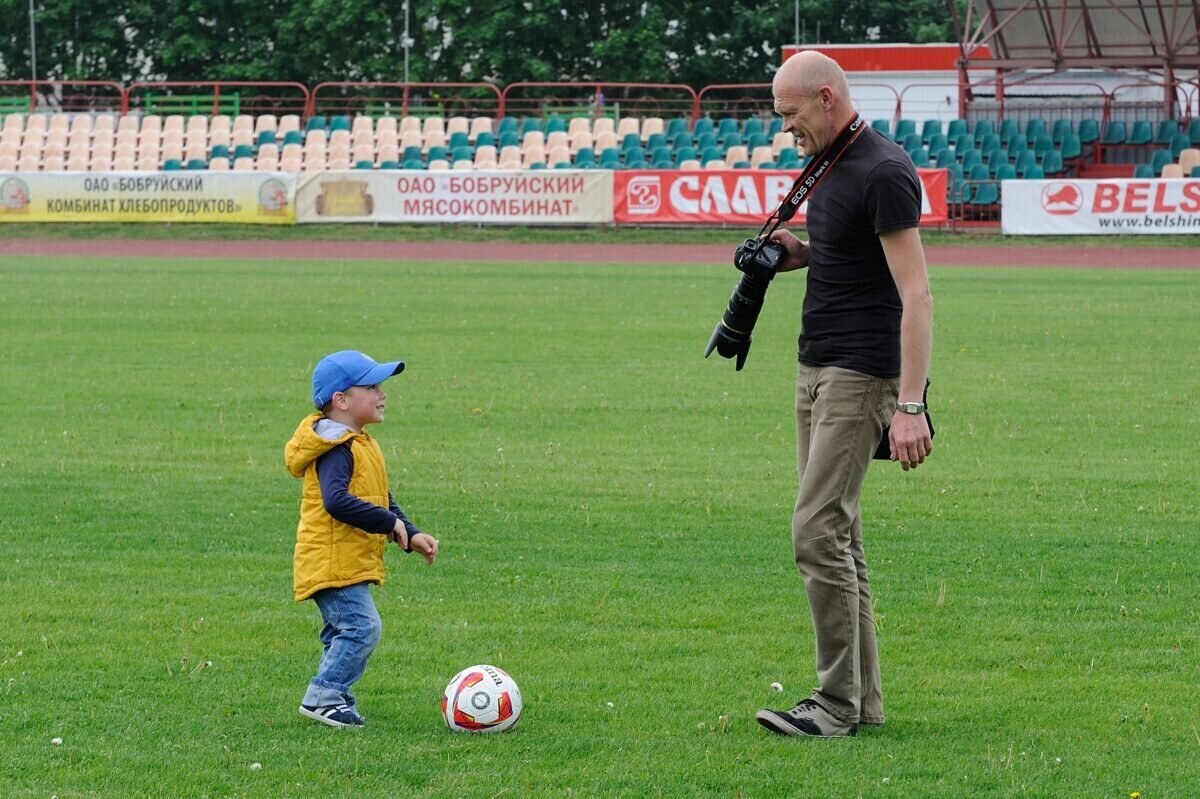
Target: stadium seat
480,125
485,138
1179,143
104,164
1009,130
937,141
172,165
904,128
757,140
782,141
197,164
581,141
1189,158
1193,132
727,126
634,158
1195,173
461,165
911,142
433,127
387,152
1052,163
28,163
703,125
558,155
1035,128
788,158
610,159
1114,133
1006,172
578,125
555,124
453,125
931,128
434,139
1071,147
1159,159
651,125
732,140
290,165
1167,130
339,138
956,128
1141,133
683,154
920,157
485,156
585,159
983,129
674,126
55,164
760,156
703,141
752,127
459,139
944,158
556,138
389,164
219,165
316,122
436,154
510,158
245,164
689,166
628,126
1172,172
1143,171
990,142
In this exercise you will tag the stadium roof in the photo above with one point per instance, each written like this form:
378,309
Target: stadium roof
1065,34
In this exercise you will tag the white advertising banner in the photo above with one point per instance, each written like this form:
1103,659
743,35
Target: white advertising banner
1065,207
540,197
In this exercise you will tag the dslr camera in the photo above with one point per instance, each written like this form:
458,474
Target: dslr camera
758,260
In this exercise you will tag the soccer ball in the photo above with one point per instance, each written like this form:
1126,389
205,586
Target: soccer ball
481,699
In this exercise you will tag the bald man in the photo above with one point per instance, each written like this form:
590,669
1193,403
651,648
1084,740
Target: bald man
864,357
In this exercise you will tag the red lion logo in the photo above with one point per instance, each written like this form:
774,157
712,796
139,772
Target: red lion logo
1062,199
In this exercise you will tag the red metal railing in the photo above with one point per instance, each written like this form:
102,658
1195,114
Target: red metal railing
597,99
218,97
406,99
66,96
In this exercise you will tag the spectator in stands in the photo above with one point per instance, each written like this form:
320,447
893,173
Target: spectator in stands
864,355
347,516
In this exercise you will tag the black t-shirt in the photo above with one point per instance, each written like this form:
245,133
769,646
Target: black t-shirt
852,309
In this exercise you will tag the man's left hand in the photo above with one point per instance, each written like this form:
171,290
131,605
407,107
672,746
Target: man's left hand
909,439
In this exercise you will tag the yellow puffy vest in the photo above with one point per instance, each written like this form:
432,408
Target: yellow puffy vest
330,554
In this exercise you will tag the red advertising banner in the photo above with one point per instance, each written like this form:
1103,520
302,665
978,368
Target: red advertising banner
736,196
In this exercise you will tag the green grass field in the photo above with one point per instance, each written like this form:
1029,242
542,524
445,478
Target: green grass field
614,517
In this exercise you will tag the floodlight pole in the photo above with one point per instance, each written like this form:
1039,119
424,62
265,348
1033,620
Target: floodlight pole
407,41
32,44
796,25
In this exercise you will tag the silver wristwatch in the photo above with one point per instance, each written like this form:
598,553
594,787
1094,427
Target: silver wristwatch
910,407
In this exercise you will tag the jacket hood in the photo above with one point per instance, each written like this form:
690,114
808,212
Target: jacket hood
305,446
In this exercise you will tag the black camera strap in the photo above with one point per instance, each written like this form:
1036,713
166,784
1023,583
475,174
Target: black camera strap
817,169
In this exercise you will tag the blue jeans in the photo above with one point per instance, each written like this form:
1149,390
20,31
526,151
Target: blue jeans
351,631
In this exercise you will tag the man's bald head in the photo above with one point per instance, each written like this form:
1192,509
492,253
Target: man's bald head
808,72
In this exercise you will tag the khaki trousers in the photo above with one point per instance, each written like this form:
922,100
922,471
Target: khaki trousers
840,416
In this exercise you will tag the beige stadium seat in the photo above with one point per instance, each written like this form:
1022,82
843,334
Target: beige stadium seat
761,155
556,139
218,138
221,122
603,125
54,164
339,138
172,138
434,125
82,123
581,141
458,125
782,141
129,137
173,123
715,164
102,123
242,138
292,151
196,138
243,122
690,165
100,164
244,164
8,163
315,138
147,163
533,138
123,164
51,149
58,137
219,164
197,152
151,126
485,157
264,165
510,158
197,123
735,154
463,164
628,125
410,138
79,138
287,123
650,126
9,149
28,163
314,164
151,153
172,152
361,138
102,149
11,136
339,163
1189,159
363,124
387,138
387,125
59,122
265,122
606,141
479,125
409,123
438,165
533,155
558,155
127,123
339,152
289,165
77,163
14,122
578,125
269,151
125,151
434,138
313,153
37,123
362,152
1172,172
388,152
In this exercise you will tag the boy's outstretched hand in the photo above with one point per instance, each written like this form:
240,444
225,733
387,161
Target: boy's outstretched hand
425,544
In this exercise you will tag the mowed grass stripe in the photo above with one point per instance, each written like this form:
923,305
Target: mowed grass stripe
614,514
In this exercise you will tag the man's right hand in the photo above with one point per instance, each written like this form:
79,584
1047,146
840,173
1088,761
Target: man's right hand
797,251
399,534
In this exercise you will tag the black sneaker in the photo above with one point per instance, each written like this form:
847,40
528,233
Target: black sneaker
807,718
333,715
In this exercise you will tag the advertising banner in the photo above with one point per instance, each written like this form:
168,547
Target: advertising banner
541,197
264,198
742,196
1066,207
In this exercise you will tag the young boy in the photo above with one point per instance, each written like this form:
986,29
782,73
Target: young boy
347,516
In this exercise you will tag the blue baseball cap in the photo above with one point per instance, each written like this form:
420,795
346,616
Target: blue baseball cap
341,370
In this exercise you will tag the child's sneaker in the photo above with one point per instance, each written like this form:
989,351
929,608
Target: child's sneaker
334,715
807,718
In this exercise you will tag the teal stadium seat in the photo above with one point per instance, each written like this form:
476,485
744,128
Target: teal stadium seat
585,159
1167,130
1141,133
684,139
1114,133
757,140
1089,131
945,158
1042,144
1193,132
364,164
937,142
485,139
658,140
1052,163
1071,147
509,138
196,164
703,125
243,151
1034,172
564,165
706,140
460,154
633,155
788,159
1006,172
266,137
506,125
411,153
956,128
1195,171
339,123
676,126
954,179
658,155
172,165
753,127
411,164
315,122
684,154
219,151
971,158
1179,143
911,141
904,128
775,126
1060,131
931,128
711,154
389,164
1159,159
990,142
556,125
983,129
732,140
1035,127
727,126
459,139
632,140
920,157
537,165
437,154
610,158
293,137
964,142
530,125
1009,130
883,126
1142,171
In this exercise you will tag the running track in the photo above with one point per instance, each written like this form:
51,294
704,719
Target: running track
947,255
